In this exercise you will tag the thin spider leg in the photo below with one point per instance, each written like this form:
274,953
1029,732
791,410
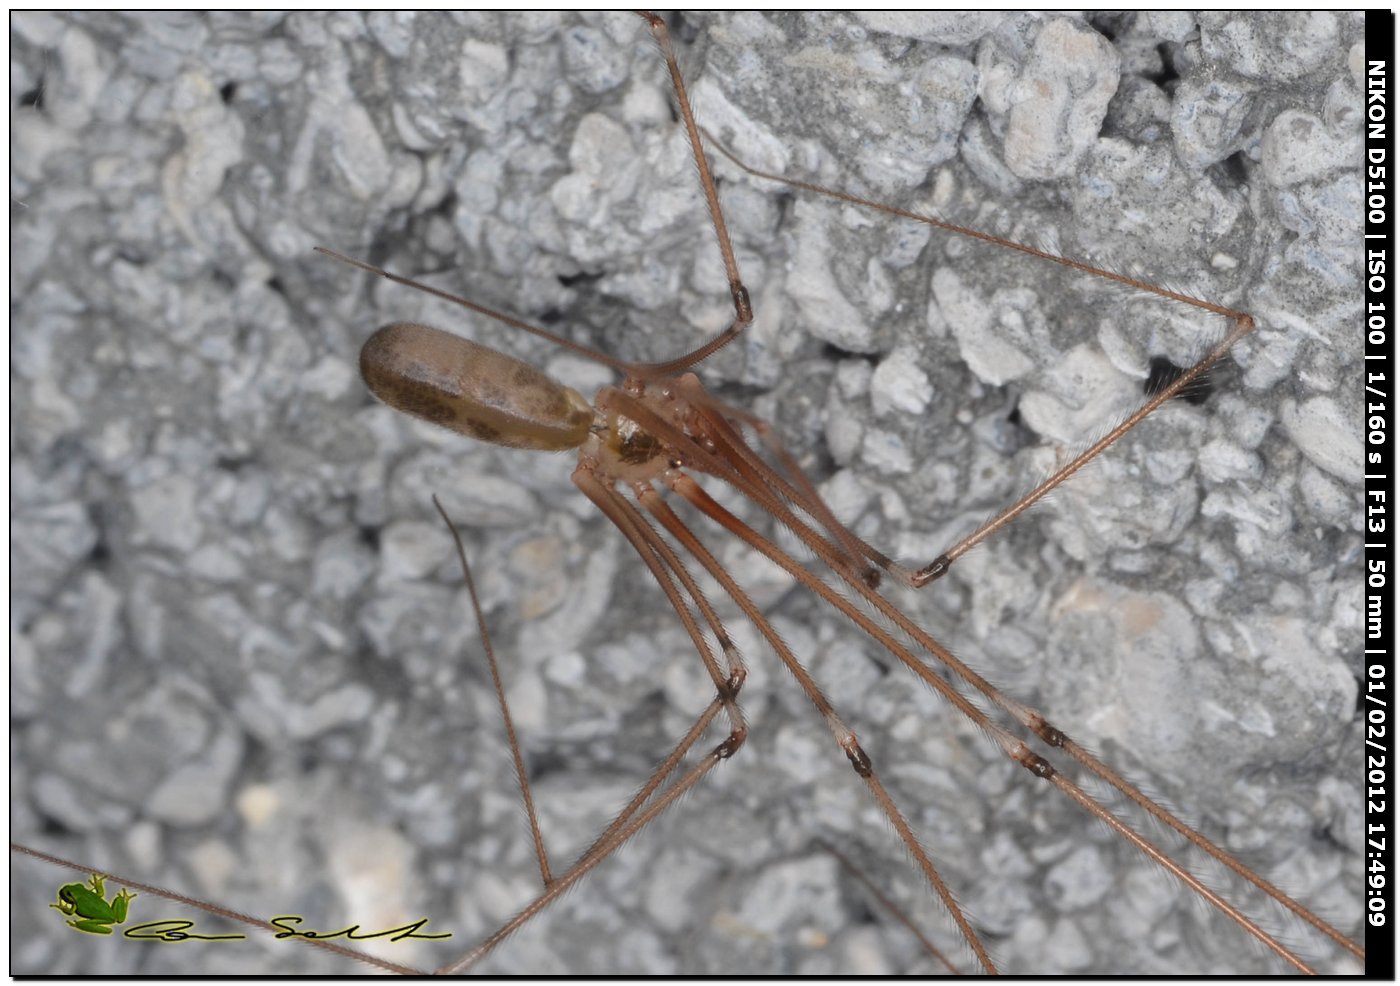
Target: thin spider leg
1086,801
1031,719
1244,324
509,320
658,557
1101,770
647,790
739,294
1038,724
223,912
662,562
744,471
540,853
806,495
760,489
585,865
1013,747
884,901
796,488
1028,717
844,735
977,234
743,309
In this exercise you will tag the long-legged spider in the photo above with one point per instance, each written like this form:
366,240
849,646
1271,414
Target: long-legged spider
270,600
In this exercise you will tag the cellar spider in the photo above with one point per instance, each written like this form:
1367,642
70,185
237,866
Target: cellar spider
213,629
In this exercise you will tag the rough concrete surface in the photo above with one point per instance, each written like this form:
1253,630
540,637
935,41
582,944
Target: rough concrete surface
241,664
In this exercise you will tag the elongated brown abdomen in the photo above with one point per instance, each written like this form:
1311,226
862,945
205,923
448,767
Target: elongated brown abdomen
471,389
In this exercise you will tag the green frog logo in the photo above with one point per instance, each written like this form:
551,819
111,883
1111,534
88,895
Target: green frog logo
86,903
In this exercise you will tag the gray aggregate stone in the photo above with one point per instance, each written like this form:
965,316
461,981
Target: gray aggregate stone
1070,75
244,667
